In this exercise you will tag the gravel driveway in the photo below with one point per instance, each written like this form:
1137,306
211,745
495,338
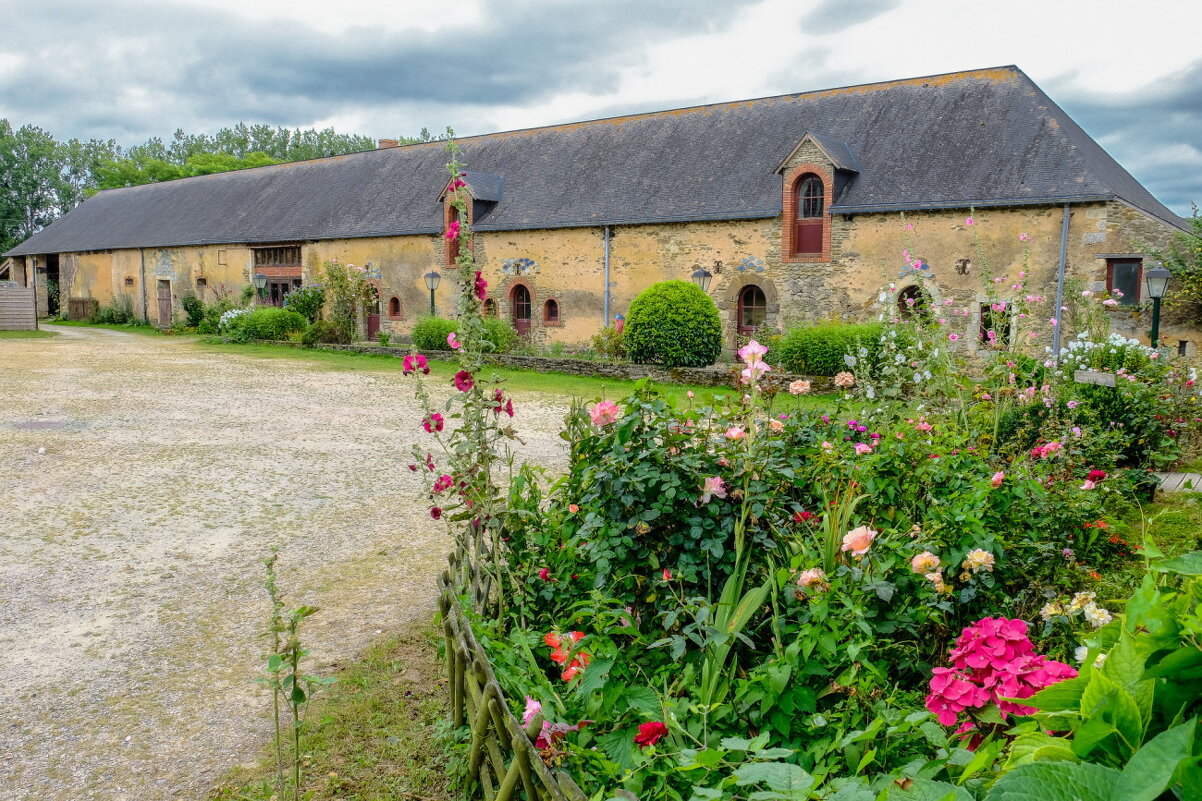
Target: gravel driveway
130,548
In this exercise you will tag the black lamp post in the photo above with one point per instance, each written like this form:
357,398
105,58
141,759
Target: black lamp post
1157,281
701,277
260,282
432,279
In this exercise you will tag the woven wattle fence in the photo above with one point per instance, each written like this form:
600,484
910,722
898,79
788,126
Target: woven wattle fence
503,763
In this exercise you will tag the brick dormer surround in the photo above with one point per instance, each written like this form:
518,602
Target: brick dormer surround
789,212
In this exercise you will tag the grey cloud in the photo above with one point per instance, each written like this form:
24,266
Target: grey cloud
201,69
833,16
1133,126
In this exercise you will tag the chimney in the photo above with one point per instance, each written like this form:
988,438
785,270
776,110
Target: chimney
387,143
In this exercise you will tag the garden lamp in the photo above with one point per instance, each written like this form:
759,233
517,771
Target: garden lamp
432,279
260,282
701,277
1157,281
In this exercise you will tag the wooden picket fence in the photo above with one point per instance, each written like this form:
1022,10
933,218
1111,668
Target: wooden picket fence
503,764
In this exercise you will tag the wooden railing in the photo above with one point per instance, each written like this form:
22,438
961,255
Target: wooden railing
503,763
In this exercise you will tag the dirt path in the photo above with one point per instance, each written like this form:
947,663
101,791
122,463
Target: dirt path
130,548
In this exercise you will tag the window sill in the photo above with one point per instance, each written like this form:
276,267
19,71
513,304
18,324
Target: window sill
797,258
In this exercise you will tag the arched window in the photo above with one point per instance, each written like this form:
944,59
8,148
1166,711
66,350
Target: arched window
519,300
551,312
394,307
753,309
912,302
811,196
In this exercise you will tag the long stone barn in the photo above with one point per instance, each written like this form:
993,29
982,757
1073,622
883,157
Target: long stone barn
798,206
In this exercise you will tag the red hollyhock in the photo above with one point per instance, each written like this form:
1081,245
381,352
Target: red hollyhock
650,733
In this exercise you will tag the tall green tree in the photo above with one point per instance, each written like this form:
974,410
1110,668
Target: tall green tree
32,186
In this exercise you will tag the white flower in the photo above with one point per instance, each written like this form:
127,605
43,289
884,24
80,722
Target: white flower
1050,610
1096,615
1082,653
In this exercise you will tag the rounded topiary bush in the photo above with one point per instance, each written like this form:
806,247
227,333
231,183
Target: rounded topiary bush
675,324
819,349
430,333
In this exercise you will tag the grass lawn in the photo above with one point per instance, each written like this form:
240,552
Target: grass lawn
39,334
1174,522
374,734
147,330
519,380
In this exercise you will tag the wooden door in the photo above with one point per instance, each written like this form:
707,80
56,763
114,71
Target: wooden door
164,304
521,309
753,309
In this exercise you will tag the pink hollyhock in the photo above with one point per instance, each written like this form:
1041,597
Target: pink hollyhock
463,381
433,423
435,513
604,413
453,230
650,733
858,541
714,487
968,221
752,372
481,286
753,352
443,482
454,343
414,362
997,480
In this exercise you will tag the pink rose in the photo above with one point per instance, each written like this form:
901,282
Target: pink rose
925,562
604,413
799,388
997,480
735,433
813,578
858,541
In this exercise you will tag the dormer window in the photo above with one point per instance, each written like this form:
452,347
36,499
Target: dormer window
811,197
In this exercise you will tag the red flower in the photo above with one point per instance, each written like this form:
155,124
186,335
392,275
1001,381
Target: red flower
802,517
481,286
667,574
435,513
1096,475
559,654
433,423
453,230
650,733
544,574
463,381
414,362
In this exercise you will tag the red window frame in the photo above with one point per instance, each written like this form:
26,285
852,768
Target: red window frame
756,304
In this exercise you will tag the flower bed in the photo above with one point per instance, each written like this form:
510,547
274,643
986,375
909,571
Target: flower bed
754,601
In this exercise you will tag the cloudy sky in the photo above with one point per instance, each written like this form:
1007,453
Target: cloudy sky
1130,74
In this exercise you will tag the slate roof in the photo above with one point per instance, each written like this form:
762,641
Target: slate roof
987,137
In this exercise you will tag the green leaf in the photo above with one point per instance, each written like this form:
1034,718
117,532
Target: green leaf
779,776
1056,781
274,662
1113,703
1039,747
735,744
928,790
1150,771
1061,696
1189,564
595,675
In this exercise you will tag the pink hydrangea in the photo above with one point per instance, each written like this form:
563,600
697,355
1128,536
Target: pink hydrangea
993,660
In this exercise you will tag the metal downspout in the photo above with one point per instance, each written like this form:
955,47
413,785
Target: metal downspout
142,256
606,294
1060,285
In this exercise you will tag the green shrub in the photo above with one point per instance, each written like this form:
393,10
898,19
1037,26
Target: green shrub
675,324
430,333
500,333
819,349
121,312
322,332
268,322
609,343
194,309
308,301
